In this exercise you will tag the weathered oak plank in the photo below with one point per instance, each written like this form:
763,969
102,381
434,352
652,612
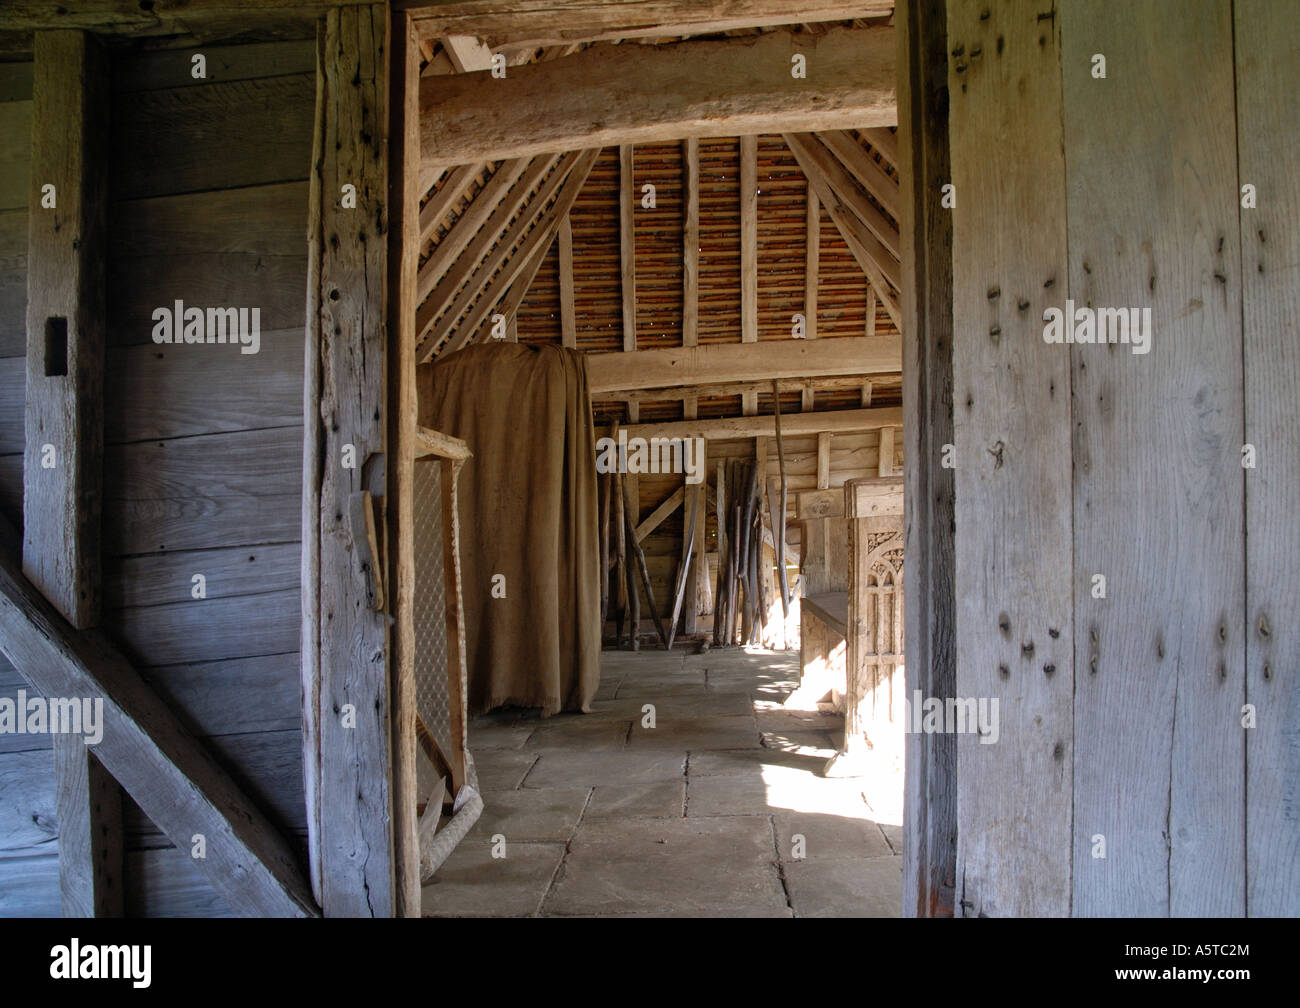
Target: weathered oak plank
188,139
159,391
15,154
1013,520
262,219
199,629
13,282
218,490
172,68
1159,661
13,407
1268,104
273,282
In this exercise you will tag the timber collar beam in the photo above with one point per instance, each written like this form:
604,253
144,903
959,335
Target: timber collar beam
792,425
614,95
665,367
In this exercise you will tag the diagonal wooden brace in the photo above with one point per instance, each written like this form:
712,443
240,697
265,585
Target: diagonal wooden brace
168,772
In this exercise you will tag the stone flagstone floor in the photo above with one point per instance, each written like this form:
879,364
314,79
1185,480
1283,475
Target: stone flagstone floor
718,810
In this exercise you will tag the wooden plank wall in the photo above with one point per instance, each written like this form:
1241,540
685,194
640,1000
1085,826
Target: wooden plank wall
1122,715
15,155
203,473
203,444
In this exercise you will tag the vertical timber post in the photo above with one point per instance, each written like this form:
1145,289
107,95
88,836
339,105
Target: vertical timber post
403,264
930,803
65,325
63,463
348,684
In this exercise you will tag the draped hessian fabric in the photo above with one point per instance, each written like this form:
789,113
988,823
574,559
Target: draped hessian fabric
528,511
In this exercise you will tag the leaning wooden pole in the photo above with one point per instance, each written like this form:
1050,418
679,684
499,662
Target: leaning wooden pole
683,571
746,523
754,522
621,568
755,550
779,521
618,530
733,573
604,551
720,594
631,516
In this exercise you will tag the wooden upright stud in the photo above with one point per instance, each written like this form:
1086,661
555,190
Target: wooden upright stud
812,252
627,243
568,317
749,239
63,463
691,244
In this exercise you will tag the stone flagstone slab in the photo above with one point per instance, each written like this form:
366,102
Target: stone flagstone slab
859,887
530,815
560,768
472,883
720,866
661,800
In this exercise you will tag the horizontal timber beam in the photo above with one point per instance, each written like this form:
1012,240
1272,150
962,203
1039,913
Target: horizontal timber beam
765,360
159,17
732,389
792,424
641,94
545,22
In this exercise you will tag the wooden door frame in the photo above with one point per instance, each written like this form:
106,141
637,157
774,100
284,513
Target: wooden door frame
930,819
